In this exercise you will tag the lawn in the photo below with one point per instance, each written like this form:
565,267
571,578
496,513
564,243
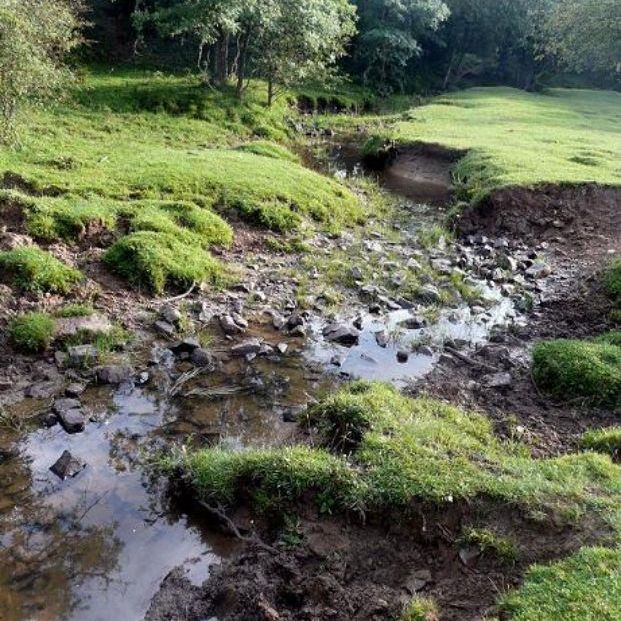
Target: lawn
519,138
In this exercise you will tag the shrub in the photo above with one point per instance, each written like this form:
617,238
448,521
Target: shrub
568,369
32,332
33,269
612,280
585,587
607,441
160,260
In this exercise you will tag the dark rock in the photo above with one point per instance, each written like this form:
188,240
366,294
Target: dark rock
344,335
67,466
43,390
253,346
171,315
299,331
468,555
294,321
164,328
114,375
403,356
202,358
292,414
186,346
358,322
74,390
229,326
429,293
72,420
80,356
413,323
49,420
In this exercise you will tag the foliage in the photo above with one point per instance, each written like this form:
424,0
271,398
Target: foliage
32,332
607,441
569,369
35,35
159,260
491,544
75,310
612,280
585,587
33,269
421,609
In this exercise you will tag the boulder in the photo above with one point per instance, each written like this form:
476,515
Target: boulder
93,324
186,346
251,347
342,334
114,374
67,466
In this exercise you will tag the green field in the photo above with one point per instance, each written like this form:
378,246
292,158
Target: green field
513,137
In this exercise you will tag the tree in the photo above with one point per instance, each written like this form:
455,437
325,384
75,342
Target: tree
390,33
585,35
35,36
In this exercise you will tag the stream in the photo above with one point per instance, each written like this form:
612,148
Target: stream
97,546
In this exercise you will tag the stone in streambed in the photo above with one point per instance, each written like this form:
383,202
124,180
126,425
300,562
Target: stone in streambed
186,346
342,334
114,375
67,466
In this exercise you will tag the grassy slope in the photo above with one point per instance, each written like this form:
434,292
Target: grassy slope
523,138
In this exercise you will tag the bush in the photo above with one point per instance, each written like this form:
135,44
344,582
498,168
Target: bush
585,587
32,269
32,332
569,369
161,260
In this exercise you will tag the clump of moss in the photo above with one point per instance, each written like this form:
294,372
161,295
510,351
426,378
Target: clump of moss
269,149
32,332
421,609
570,369
607,441
612,280
585,587
159,260
491,544
75,310
32,269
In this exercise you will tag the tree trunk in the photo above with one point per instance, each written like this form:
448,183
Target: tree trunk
222,61
270,92
241,65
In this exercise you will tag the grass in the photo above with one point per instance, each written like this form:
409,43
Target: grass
382,450
269,149
612,280
421,609
32,332
569,369
607,441
32,269
491,544
584,587
74,310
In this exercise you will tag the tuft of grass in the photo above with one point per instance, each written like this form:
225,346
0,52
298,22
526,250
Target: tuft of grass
75,310
269,149
573,369
421,609
607,441
491,544
383,451
612,280
32,269
584,587
160,260
32,332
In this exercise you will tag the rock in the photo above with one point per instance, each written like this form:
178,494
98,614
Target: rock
294,321
278,321
93,324
413,323
80,356
336,361
282,348
143,378
468,555
164,328
538,270
402,356
425,351
74,390
202,358
418,581
497,380
63,405
292,414
342,334
72,420
356,273
229,326
43,390
186,346
67,466
49,420
114,375
251,347
171,315
299,331
358,323
429,293
381,338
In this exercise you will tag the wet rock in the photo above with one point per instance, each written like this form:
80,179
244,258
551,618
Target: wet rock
114,375
425,351
171,315
358,323
251,347
298,331
381,338
429,293
403,356
70,415
49,420
282,348
413,323
74,390
229,326
42,390
93,324
67,466
203,358
342,334
336,361
497,380
278,321
164,328
294,321
80,356
62,405
186,346
417,581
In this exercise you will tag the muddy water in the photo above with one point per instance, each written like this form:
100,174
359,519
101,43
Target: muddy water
96,547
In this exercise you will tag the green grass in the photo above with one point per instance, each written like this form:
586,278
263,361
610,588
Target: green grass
32,269
607,441
585,587
74,310
612,280
491,544
32,332
269,149
386,451
569,369
156,260
421,609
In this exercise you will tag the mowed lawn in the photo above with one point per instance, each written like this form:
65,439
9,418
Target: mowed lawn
514,137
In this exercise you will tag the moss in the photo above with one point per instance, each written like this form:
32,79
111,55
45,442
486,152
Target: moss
75,310
32,332
269,149
569,369
160,260
585,587
491,544
421,609
607,441
32,269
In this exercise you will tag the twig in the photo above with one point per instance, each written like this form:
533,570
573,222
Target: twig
180,297
470,361
253,539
